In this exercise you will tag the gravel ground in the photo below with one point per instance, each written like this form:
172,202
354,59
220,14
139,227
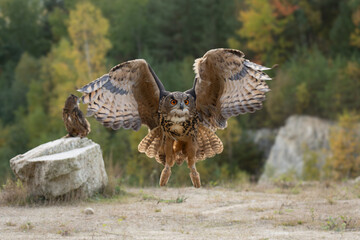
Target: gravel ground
300,211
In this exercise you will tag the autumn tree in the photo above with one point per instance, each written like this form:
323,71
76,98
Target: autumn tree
70,65
344,161
355,35
88,29
263,26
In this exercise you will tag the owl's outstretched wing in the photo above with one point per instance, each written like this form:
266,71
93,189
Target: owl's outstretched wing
227,84
127,96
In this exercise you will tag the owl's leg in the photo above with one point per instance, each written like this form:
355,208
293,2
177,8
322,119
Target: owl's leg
169,161
194,175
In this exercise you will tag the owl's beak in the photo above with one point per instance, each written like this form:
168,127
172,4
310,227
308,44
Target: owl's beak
182,106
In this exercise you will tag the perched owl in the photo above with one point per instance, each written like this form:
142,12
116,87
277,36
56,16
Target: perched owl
74,120
181,125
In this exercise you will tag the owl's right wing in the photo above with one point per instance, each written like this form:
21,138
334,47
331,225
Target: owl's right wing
226,85
127,96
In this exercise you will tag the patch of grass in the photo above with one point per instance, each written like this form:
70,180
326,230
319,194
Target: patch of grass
312,211
179,199
64,232
267,217
287,180
330,200
256,209
121,219
10,224
117,195
292,223
14,193
149,197
26,226
295,190
340,223
113,187
223,223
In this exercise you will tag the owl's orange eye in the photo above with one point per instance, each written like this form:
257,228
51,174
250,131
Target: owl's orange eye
173,102
186,102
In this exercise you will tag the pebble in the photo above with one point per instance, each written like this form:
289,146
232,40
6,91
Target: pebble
89,211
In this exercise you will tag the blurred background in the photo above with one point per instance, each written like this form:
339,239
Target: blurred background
49,48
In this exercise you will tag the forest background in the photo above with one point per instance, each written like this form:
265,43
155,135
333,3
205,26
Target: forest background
50,48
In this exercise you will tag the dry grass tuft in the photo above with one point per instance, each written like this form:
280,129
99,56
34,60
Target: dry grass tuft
292,223
10,224
256,209
14,193
179,199
26,226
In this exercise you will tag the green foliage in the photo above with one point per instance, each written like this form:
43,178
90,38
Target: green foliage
314,85
57,20
340,223
311,169
130,28
22,28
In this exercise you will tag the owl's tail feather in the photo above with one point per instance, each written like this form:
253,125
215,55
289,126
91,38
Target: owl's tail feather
151,143
209,144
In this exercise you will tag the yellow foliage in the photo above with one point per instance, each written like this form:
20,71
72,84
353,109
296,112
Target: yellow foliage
355,35
71,65
88,29
345,148
258,25
262,26
59,65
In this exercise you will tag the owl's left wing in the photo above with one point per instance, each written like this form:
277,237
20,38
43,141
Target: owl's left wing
127,96
227,84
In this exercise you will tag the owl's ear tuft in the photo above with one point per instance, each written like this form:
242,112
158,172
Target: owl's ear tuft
192,90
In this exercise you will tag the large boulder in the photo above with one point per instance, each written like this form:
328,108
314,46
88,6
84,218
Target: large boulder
61,167
301,134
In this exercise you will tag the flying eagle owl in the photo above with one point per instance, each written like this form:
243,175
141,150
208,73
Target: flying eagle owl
181,125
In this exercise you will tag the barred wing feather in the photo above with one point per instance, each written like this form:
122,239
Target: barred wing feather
226,85
127,96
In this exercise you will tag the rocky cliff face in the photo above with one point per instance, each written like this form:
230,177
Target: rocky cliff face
300,134
264,139
62,166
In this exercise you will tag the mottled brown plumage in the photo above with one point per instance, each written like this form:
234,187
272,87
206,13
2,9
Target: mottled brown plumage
181,125
75,123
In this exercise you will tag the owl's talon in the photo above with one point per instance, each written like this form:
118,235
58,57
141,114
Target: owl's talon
165,175
195,178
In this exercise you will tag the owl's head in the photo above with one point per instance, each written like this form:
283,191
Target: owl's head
178,103
71,102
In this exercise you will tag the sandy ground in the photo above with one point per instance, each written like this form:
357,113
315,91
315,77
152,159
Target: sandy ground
248,212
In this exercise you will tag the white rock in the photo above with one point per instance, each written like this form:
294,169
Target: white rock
62,166
300,134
